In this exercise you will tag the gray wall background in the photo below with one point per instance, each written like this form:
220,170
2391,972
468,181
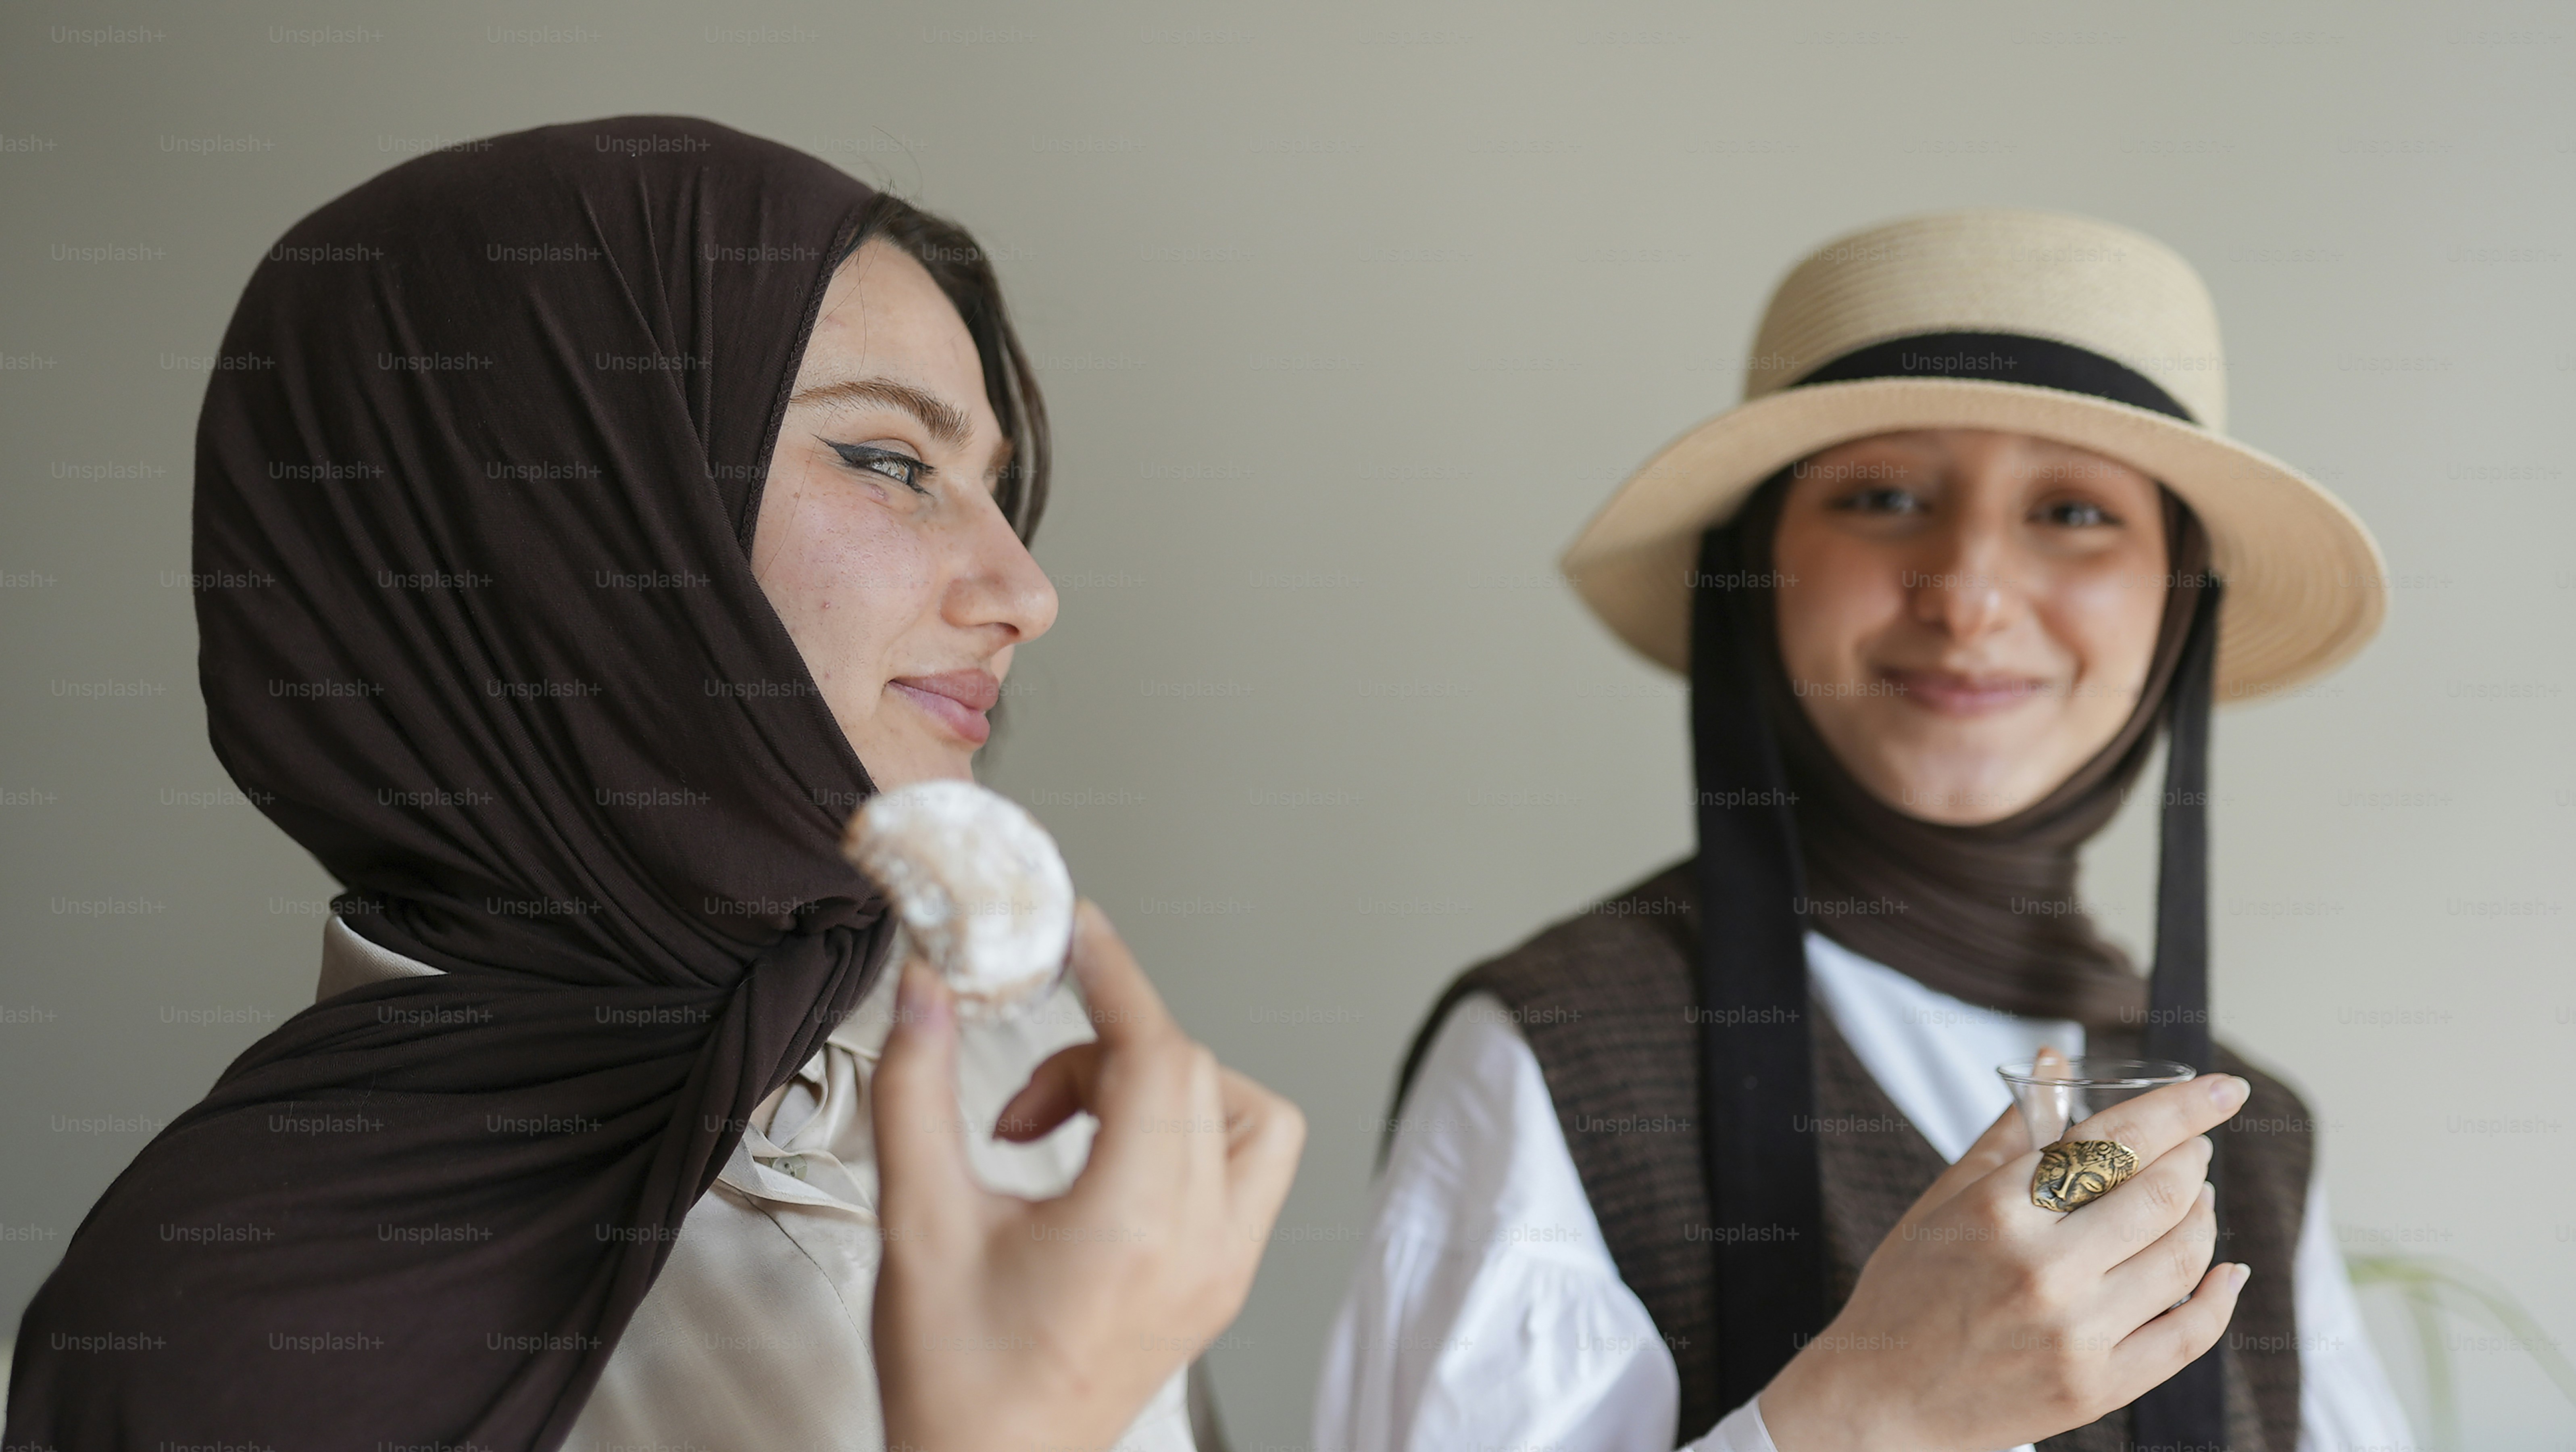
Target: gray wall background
1350,315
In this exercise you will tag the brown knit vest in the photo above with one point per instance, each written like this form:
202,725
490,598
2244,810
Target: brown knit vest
1608,1002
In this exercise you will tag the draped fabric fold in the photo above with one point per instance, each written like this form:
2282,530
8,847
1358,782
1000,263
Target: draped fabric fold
474,492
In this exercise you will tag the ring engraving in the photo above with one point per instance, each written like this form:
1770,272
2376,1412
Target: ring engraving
2079,1171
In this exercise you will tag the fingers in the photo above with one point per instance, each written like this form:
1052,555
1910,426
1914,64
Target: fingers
1065,1085
1175,1125
1145,1076
2165,1268
2150,1355
2004,1141
1265,1134
2155,1122
1124,1006
2143,1208
927,1187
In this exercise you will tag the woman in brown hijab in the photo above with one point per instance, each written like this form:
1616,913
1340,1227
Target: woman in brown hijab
604,496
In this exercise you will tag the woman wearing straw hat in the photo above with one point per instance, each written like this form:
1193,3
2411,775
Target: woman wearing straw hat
1725,1161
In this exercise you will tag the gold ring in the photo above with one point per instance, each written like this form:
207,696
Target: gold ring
2080,1171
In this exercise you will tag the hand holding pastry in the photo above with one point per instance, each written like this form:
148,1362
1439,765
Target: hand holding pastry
1006,1325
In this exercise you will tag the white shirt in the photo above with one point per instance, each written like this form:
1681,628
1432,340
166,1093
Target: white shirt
1486,1311
756,1334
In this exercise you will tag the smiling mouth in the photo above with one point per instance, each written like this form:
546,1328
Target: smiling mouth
1955,693
957,700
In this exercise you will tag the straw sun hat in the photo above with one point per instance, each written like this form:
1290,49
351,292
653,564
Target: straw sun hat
2030,322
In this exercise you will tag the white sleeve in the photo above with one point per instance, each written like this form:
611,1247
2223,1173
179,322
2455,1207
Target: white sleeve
1740,1430
1486,1311
2345,1401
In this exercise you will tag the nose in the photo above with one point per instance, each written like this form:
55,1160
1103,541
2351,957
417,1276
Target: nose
1962,585
997,586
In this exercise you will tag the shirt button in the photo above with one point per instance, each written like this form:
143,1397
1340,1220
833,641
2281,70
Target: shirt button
793,1165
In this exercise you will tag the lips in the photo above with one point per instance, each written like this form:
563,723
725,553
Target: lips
954,699
1961,693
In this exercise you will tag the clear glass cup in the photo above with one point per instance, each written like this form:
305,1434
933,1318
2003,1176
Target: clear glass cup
2074,1090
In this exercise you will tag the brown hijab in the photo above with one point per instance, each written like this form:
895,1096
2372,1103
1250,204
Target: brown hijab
1988,913
490,464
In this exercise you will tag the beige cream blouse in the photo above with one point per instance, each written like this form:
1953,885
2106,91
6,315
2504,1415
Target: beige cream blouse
756,1336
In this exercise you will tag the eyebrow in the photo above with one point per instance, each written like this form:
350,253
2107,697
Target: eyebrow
946,421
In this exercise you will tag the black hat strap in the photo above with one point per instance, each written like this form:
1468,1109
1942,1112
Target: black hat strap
2178,994
1757,1083
2189,1410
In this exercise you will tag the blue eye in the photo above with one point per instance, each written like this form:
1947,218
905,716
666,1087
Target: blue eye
904,469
